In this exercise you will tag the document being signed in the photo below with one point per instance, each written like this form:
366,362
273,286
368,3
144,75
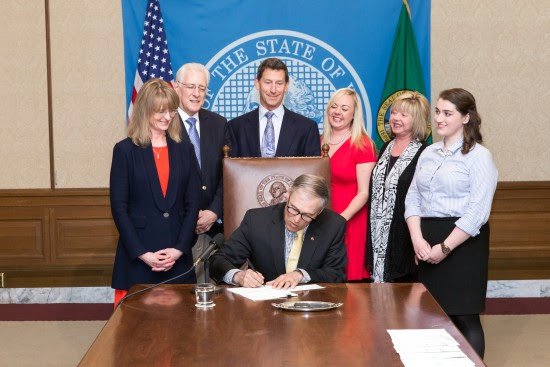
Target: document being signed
266,292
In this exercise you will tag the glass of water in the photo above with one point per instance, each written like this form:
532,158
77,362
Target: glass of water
204,293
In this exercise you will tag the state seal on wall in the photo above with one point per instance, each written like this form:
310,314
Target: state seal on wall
383,116
315,69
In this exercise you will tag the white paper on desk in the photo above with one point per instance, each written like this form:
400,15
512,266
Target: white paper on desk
266,292
404,349
306,287
456,362
433,356
428,347
421,337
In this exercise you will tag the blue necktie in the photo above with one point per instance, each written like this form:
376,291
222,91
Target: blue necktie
268,141
194,137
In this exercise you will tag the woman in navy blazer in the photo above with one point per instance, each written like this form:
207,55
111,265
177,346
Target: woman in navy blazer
154,193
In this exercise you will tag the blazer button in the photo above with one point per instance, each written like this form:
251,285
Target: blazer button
166,215
204,187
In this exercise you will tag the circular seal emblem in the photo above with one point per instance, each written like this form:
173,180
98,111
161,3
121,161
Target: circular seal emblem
273,189
315,69
383,116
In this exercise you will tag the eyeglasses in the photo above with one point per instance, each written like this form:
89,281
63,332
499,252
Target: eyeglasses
293,211
171,113
192,87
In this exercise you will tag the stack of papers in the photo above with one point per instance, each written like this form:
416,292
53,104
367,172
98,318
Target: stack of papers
428,347
267,292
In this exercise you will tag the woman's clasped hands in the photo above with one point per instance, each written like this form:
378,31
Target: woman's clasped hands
162,260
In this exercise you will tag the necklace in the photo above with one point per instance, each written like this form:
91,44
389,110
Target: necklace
159,140
156,153
341,140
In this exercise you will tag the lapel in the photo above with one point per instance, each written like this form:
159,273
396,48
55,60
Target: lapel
311,237
206,136
175,172
286,136
252,131
277,239
151,169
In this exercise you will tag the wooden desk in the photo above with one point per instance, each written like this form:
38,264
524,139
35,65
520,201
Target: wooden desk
163,327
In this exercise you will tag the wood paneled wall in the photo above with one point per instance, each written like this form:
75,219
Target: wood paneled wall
520,231
56,237
67,237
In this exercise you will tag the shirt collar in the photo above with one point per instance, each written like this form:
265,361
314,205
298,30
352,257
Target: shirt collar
279,111
293,234
184,116
452,150
457,145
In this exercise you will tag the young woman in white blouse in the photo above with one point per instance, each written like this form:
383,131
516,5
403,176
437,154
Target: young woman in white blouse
447,212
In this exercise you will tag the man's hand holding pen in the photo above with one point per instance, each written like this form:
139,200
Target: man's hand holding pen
249,278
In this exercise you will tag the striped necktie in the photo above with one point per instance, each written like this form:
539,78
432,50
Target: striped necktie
194,137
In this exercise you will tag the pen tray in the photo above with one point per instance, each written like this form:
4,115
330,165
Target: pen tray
307,306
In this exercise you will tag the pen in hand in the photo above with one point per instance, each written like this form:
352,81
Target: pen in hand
256,279
261,276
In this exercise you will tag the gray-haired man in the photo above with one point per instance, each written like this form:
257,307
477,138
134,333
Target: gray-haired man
299,241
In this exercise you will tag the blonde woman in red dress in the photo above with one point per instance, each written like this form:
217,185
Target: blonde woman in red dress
352,158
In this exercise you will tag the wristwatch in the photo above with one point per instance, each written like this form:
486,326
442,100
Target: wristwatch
445,249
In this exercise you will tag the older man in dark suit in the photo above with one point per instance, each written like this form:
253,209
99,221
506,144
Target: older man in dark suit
272,130
208,133
289,243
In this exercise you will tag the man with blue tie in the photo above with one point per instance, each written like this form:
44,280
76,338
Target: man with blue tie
208,133
272,130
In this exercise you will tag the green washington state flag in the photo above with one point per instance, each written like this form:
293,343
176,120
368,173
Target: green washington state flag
404,73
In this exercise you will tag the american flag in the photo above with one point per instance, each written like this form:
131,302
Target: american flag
154,58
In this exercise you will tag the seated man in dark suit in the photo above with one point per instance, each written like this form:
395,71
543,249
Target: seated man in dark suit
289,243
272,130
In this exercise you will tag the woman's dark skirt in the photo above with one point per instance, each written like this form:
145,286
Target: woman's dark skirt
458,282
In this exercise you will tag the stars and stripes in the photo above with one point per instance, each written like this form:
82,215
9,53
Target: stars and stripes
154,58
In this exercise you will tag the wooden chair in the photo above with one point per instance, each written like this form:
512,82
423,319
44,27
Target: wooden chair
257,182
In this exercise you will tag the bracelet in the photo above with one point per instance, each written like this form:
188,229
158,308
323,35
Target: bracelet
445,249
